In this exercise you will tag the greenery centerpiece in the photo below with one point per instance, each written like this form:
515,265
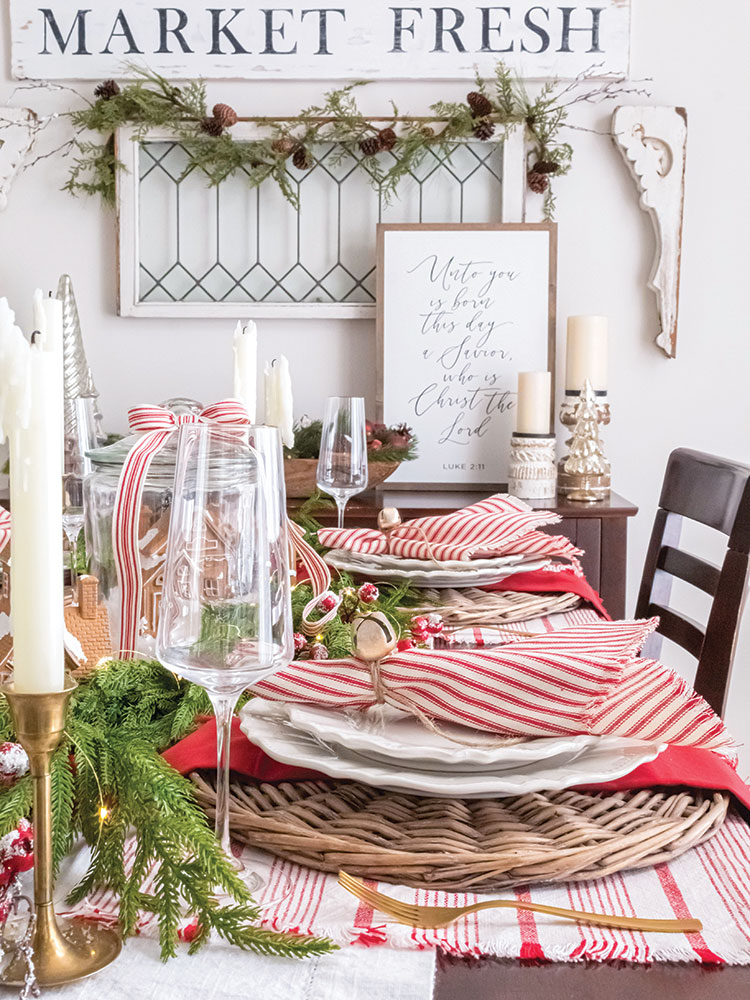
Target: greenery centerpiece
387,448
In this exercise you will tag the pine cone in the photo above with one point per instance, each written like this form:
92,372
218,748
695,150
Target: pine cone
537,182
546,167
212,127
285,146
107,90
302,159
427,131
371,146
388,139
480,105
484,129
226,115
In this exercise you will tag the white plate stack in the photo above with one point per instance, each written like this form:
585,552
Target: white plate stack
392,750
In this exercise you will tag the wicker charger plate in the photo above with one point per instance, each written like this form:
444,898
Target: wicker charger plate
457,844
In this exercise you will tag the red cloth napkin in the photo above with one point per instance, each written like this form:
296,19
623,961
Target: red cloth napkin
552,581
677,766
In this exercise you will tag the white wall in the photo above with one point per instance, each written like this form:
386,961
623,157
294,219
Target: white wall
701,399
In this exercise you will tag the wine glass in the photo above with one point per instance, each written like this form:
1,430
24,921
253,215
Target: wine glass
342,463
225,620
72,521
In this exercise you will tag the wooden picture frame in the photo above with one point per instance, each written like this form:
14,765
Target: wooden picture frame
442,366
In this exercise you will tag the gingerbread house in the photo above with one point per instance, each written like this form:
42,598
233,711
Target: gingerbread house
89,639
153,549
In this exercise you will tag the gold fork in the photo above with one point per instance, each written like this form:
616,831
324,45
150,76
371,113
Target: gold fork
440,916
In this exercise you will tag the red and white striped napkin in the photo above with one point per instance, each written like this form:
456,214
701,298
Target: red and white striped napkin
500,525
583,679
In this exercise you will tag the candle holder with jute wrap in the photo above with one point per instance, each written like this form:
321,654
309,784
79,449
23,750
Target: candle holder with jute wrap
62,952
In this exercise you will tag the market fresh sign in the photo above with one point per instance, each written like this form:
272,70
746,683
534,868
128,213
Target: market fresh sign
62,40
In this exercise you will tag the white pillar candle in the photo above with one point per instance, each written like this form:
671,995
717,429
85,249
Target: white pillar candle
586,353
246,366
279,403
533,405
31,415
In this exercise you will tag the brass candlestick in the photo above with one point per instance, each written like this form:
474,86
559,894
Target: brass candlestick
65,952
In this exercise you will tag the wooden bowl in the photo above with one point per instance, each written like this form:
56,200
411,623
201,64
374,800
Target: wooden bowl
300,474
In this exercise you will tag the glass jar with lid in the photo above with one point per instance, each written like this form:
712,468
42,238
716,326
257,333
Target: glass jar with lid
100,490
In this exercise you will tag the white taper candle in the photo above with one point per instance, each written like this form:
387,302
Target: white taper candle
31,412
246,366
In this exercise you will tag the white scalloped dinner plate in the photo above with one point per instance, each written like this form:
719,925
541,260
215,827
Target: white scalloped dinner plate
424,573
600,763
394,737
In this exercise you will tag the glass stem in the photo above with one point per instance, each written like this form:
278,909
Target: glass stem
224,705
341,505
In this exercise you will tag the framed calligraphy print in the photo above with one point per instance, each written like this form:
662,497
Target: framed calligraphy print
462,309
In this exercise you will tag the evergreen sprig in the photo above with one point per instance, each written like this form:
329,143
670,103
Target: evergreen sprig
332,131
121,717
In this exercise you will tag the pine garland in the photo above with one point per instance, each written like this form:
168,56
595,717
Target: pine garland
308,434
121,717
387,151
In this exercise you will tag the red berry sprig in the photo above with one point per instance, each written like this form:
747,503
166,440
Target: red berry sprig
368,593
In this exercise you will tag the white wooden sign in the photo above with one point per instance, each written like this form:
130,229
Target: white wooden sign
461,310
350,39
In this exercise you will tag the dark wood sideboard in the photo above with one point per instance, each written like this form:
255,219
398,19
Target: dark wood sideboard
600,529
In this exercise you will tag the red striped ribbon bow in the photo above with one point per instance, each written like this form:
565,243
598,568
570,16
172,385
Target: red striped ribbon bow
4,528
156,426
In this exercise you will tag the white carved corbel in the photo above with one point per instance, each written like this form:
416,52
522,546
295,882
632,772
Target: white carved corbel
653,141
18,129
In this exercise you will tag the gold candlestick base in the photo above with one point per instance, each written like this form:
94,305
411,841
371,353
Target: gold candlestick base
66,952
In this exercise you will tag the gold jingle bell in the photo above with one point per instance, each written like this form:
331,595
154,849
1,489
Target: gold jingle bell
389,518
373,637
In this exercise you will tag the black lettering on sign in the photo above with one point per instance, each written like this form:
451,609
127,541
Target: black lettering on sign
176,30
399,27
441,30
488,28
537,29
323,13
124,32
219,30
276,29
79,25
567,12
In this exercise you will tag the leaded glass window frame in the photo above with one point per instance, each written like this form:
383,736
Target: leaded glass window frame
168,301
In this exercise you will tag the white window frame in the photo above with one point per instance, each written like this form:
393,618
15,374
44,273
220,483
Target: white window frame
128,239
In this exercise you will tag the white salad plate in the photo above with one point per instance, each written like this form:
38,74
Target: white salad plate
601,762
425,573
390,735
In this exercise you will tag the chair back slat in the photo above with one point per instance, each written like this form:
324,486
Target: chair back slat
704,488
678,628
715,663
685,566
714,492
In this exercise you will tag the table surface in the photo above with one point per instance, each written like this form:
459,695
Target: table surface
493,979
424,503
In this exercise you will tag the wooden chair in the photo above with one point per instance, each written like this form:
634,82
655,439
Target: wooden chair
714,492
